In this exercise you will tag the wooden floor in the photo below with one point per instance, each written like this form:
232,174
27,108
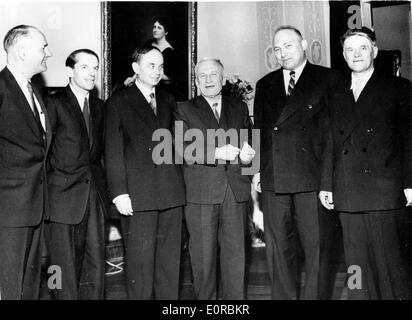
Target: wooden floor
257,277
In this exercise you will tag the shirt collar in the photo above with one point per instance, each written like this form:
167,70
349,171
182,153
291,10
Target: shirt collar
21,81
361,79
80,96
211,102
145,90
298,71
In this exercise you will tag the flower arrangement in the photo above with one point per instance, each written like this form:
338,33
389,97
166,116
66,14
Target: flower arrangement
241,88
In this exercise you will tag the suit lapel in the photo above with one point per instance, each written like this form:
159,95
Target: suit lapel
205,113
275,97
292,103
25,108
365,104
141,107
227,117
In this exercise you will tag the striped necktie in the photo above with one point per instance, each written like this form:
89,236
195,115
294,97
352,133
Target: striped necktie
291,82
215,112
153,103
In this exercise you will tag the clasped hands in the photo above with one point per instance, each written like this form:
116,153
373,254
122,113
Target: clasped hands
229,153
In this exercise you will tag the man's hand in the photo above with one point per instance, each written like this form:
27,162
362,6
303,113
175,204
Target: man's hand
227,153
129,81
408,195
326,198
256,182
247,153
124,205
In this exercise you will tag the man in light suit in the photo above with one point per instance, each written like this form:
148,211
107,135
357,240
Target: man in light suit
291,111
367,176
25,138
77,190
148,196
216,190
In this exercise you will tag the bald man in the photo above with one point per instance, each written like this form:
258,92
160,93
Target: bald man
24,143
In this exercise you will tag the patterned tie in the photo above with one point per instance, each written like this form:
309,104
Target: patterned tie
86,115
291,82
153,102
215,112
33,105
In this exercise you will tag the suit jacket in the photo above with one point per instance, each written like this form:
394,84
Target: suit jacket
293,129
23,151
370,160
74,164
206,182
128,154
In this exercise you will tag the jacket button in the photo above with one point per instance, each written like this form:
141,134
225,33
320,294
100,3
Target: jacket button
150,149
369,130
367,171
41,181
44,137
303,128
364,149
345,152
310,107
341,132
87,181
276,128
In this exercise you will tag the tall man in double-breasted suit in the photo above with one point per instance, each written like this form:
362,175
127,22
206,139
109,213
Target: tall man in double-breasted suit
216,190
77,189
367,177
291,111
25,138
148,195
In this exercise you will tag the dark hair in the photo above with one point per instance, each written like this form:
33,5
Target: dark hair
163,21
288,27
139,52
364,32
15,33
72,58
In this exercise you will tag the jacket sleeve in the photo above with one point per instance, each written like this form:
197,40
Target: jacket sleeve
114,152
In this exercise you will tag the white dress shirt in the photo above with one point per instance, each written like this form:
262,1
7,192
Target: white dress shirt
145,91
298,72
22,82
80,96
211,102
359,82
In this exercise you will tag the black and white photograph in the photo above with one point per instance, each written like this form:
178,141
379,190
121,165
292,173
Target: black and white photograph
222,152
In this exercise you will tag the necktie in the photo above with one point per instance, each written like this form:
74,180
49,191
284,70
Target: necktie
291,82
153,103
356,89
86,115
215,112
33,105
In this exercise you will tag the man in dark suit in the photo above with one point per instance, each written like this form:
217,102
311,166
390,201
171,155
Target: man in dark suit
216,190
25,138
368,173
149,196
76,181
291,111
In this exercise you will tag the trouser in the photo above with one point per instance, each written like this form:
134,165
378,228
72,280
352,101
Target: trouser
212,226
373,251
152,242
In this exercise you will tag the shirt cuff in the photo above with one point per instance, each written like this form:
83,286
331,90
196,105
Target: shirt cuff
122,196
